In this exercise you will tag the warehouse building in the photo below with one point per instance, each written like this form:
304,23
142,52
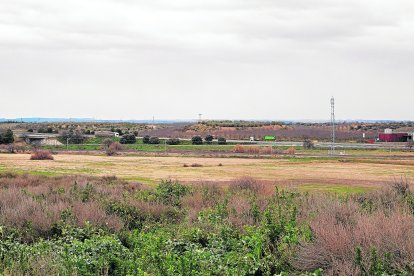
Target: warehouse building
390,136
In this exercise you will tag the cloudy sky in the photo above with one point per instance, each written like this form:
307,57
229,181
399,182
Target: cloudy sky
234,59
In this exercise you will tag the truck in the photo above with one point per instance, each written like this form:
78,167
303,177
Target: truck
269,138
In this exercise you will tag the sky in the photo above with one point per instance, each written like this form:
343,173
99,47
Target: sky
225,59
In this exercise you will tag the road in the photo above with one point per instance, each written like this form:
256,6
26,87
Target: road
328,145
319,144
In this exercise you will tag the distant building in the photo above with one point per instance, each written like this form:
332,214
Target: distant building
106,134
389,136
40,139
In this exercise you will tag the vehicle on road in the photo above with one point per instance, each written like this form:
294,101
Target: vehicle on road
269,138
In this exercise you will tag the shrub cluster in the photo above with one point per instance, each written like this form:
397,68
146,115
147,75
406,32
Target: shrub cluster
197,140
41,155
76,225
173,141
209,139
153,140
72,137
221,141
113,148
6,137
128,139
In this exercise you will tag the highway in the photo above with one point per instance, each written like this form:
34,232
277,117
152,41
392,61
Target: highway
324,145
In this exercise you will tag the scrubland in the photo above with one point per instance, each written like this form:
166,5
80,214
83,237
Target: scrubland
82,225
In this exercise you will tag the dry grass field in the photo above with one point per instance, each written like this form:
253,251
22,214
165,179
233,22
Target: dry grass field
306,173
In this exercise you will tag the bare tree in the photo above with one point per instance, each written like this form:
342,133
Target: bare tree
409,145
307,143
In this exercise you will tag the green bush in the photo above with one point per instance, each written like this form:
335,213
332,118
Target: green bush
6,137
173,141
146,139
209,139
154,140
197,140
221,141
170,192
128,139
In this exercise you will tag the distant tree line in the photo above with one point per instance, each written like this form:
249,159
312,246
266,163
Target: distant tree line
238,123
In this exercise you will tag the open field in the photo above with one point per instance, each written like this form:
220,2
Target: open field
295,171
206,214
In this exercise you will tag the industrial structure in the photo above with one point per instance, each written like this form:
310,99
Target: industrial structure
106,134
333,124
390,136
40,139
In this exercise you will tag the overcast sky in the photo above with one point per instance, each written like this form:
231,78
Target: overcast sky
232,59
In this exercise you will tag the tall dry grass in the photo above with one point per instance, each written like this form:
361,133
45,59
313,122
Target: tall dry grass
379,221
35,204
382,220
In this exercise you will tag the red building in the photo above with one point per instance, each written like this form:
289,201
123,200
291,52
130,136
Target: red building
395,137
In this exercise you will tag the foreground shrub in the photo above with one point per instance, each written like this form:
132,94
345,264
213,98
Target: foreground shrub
170,192
75,225
348,241
246,183
41,155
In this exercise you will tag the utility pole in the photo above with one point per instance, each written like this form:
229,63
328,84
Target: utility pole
199,117
333,124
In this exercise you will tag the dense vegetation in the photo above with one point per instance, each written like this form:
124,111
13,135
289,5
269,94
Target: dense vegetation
128,139
6,137
346,131
88,226
239,123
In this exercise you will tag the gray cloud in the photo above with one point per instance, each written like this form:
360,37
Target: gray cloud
244,58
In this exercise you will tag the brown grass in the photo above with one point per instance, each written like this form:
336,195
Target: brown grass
153,169
291,151
246,183
339,227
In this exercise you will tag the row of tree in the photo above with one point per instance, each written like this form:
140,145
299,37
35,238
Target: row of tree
197,140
